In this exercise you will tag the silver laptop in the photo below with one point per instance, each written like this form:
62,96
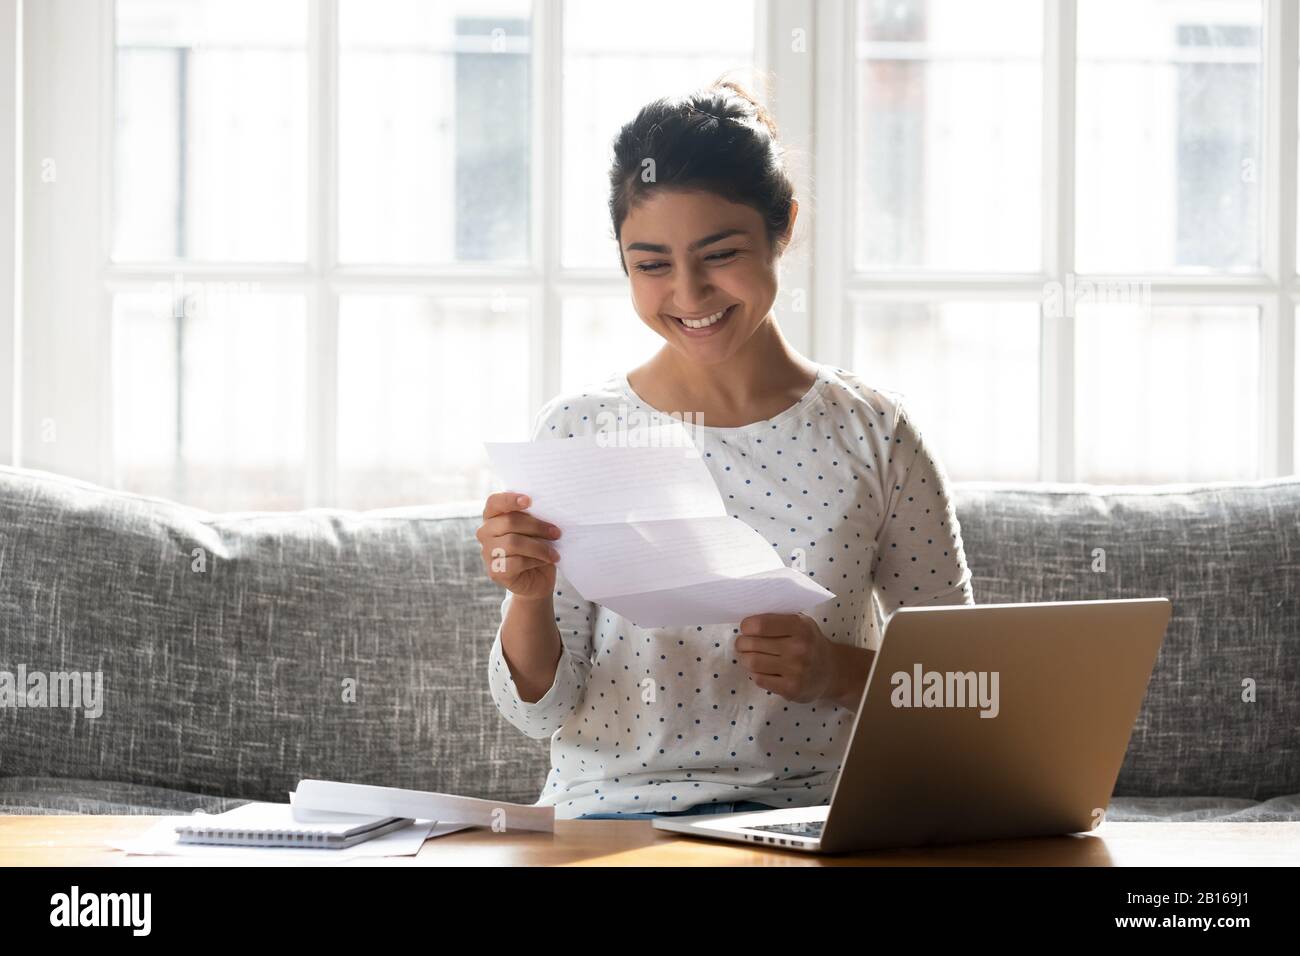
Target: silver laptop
977,722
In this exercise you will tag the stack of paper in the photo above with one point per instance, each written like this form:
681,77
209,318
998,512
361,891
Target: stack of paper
331,797
255,831
645,531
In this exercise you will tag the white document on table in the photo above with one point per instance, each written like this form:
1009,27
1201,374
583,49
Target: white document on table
161,840
645,531
366,799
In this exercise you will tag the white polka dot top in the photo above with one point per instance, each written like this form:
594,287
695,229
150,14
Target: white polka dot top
841,481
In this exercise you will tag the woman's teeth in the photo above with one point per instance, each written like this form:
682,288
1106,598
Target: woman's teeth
703,323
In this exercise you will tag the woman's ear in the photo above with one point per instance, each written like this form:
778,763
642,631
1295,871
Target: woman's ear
783,240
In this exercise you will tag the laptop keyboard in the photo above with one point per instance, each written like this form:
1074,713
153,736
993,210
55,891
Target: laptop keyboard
810,828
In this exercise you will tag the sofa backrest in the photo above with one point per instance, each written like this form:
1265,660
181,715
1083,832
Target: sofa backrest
1227,556
242,652
341,645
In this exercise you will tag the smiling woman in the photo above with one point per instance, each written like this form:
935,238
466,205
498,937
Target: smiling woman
702,209
834,474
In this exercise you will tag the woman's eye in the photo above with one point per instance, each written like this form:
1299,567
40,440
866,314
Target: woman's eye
712,257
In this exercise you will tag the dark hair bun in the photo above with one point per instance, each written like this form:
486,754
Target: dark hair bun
754,110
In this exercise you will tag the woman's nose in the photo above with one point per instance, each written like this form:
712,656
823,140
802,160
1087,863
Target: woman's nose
693,288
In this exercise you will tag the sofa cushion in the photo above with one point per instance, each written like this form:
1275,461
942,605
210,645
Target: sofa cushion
1203,810
1227,555
41,795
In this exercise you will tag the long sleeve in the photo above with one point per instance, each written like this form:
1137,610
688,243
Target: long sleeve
575,619
920,559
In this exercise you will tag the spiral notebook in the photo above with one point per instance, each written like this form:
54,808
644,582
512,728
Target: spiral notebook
273,824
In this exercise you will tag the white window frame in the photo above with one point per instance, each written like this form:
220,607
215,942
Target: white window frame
68,278
1273,291
77,386
11,211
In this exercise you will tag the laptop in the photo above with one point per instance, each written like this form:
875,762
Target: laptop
977,722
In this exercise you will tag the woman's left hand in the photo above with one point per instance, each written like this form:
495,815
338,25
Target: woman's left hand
787,654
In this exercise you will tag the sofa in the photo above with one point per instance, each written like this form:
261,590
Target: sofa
241,652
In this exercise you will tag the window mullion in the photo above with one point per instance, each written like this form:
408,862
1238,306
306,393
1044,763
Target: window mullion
11,113
1277,333
546,326
322,219
1056,375
831,208
784,35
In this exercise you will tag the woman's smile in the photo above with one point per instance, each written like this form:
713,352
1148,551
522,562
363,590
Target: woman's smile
703,327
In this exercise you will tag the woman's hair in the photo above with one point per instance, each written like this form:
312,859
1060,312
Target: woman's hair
719,139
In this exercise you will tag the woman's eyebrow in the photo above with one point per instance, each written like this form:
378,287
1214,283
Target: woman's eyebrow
697,244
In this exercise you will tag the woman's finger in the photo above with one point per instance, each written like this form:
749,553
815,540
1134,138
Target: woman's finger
751,643
503,502
510,567
769,664
520,522
525,545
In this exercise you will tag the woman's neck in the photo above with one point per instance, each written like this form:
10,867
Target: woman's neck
763,379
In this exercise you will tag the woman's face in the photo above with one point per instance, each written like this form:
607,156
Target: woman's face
692,255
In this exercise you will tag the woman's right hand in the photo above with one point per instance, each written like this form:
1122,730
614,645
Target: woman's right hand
516,549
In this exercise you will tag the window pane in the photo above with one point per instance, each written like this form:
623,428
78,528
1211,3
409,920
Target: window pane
210,409
211,131
1169,136
948,138
1166,394
969,371
617,58
602,335
423,382
434,131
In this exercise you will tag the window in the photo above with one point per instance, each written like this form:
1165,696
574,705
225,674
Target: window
316,252
1157,384
1170,131
331,231
953,359
949,135
434,132
1060,242
211,132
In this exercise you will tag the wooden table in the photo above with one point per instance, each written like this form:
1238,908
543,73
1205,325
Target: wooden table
82,841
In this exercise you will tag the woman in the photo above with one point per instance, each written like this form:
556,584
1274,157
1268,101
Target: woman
755,715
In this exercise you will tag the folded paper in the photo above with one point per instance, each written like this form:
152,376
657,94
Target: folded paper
645,531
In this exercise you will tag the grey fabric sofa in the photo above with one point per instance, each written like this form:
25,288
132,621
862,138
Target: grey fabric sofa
242,652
